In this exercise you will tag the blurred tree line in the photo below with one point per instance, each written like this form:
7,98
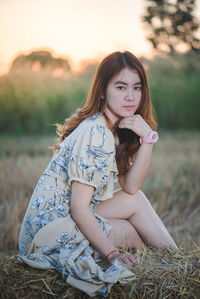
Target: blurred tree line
172,25
41,90
39,60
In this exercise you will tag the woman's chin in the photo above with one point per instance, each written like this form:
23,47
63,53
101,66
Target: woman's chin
127,114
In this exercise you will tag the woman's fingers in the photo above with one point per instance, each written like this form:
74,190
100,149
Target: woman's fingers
126,258
127,261
136,123
133,260
130,260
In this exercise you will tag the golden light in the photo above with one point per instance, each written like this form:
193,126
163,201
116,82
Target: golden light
82,30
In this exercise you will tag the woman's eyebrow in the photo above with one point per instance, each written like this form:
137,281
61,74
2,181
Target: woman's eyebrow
124,83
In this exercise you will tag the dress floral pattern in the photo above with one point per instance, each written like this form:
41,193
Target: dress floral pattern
49,237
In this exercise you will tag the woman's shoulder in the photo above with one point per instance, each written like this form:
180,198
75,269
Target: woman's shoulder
94,119
96,123
92,130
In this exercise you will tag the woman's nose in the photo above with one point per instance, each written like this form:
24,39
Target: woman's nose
129,96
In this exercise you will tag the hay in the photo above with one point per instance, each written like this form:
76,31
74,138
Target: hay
163,273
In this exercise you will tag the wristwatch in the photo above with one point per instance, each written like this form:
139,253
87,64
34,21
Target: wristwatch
151,138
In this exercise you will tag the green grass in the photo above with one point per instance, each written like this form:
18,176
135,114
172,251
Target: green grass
32,102
26,145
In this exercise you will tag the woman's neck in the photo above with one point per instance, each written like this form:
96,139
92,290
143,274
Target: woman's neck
112,122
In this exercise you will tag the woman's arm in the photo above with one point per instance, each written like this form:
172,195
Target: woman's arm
88,225
85,220
133,179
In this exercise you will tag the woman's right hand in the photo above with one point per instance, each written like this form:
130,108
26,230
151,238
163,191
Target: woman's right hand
126,258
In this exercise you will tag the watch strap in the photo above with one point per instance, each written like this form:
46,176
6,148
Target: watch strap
151,138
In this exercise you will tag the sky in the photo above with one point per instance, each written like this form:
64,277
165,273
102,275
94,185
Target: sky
78,29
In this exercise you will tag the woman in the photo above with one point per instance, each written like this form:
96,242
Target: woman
75,219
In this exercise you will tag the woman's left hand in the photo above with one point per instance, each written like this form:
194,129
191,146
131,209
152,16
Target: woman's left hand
137,124
126,258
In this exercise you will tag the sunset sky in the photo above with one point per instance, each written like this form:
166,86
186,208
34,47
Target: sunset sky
79,29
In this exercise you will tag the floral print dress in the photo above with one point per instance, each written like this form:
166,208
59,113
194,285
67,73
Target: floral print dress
49,237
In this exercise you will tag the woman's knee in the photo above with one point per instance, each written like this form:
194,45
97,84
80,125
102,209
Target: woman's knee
141,200
138,197
122,205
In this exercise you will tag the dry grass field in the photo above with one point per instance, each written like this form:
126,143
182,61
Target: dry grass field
172,186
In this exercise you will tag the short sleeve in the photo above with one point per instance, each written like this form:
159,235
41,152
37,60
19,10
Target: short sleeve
90,157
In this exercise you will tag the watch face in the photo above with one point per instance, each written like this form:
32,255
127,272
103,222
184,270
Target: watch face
154,137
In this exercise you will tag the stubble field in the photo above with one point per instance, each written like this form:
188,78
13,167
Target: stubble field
172,184
173,188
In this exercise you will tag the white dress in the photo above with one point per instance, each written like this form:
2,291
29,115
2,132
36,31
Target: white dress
49,237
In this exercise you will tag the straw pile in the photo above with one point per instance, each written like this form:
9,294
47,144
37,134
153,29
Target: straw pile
163,273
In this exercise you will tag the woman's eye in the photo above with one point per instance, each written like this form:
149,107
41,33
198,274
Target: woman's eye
138,87
121,87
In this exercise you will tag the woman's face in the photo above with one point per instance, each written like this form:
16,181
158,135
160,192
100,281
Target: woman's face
123,95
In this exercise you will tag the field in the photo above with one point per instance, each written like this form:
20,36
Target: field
172,184
32,102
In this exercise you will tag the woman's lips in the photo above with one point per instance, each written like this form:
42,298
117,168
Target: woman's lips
129,107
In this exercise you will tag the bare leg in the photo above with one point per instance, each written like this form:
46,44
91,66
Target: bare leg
139,212
124,235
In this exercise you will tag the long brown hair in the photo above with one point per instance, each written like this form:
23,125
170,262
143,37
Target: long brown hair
128,140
